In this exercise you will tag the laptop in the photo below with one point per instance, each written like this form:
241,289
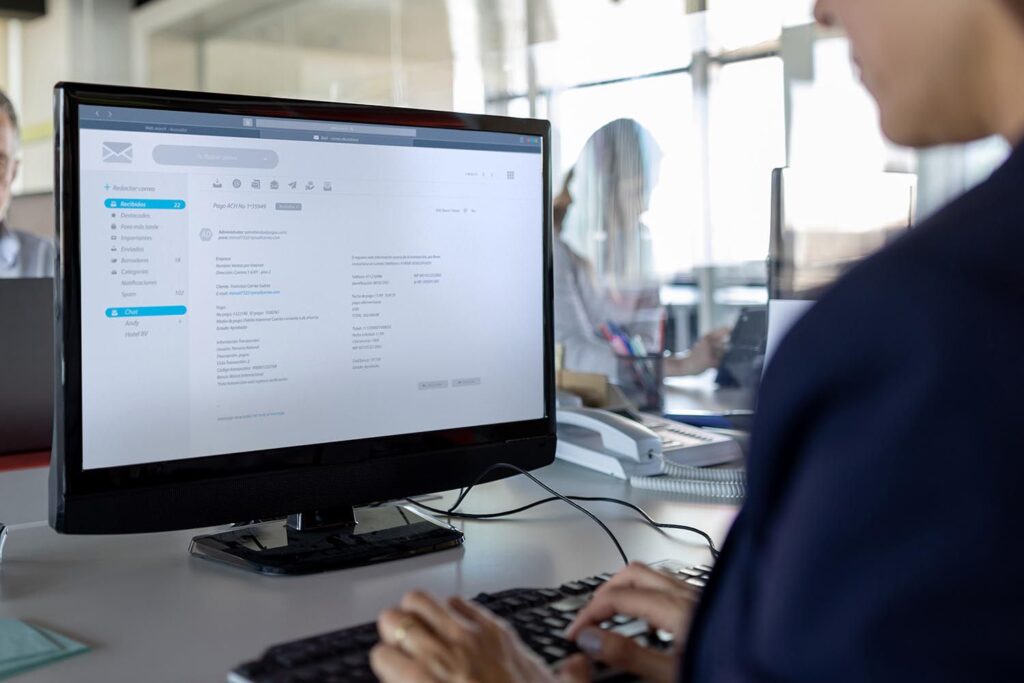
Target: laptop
26,361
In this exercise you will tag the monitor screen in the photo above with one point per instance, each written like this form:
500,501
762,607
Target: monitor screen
260,282
271,307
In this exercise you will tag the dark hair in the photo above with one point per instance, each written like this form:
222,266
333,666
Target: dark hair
7,107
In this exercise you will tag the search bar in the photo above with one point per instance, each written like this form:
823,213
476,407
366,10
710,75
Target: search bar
323,127
221,157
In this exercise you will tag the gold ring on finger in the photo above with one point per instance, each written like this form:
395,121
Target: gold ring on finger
402,630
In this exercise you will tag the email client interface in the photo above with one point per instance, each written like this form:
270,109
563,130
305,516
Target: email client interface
253,283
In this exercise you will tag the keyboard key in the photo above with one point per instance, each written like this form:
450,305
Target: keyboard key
556,624
556,652
571,604
699,583
632,628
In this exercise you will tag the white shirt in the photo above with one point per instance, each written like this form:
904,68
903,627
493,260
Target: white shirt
581,307
25,255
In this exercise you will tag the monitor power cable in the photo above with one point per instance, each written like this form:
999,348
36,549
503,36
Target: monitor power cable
570,500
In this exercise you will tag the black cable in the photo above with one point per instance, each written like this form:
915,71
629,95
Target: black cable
450,512
658,525
558,496
598,499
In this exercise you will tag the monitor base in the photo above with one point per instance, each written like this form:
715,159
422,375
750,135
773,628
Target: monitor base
324,540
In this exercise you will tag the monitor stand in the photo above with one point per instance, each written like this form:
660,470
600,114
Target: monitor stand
323,540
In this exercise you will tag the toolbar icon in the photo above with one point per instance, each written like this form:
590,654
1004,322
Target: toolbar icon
117,152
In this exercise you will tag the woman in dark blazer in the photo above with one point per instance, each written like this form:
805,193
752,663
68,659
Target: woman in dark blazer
879,540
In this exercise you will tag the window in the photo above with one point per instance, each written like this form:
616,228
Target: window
664,106
747,141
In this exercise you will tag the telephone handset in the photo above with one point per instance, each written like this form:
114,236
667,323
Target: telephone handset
608,443
651,455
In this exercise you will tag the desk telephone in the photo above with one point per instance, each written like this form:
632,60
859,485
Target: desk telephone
650,452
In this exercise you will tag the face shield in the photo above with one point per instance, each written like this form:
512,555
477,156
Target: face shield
611,189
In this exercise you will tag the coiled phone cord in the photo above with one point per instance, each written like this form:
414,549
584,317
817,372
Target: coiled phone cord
714,485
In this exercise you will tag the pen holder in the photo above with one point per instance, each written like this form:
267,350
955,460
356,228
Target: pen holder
640,378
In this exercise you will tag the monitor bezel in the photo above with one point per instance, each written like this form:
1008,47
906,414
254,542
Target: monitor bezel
360,471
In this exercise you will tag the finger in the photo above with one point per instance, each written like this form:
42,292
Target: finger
441,619
623,653
395,624
407,632
659,608
478,614
635,575
576,669
394,666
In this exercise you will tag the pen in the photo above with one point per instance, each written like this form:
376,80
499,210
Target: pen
623,338
637,344
619,346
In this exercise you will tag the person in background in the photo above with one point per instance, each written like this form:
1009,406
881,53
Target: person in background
21,254
879,538
615,175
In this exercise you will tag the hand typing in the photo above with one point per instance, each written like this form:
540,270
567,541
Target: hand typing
424,640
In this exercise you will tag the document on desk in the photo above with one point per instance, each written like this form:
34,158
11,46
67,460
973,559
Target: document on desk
24,647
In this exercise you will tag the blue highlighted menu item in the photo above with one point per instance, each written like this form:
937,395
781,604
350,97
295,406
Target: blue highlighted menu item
145,311
140,204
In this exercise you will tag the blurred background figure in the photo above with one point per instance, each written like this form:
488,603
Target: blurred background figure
611,191
21,254
604,274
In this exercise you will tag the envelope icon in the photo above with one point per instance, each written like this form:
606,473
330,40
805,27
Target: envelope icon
117,152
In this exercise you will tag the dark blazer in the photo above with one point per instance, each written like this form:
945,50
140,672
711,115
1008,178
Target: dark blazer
881,539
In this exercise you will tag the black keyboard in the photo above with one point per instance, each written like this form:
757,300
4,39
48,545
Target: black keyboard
539,615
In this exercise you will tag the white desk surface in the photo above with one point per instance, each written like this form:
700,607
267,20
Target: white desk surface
153,613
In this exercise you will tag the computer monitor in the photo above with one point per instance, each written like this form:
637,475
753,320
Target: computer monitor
275,307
